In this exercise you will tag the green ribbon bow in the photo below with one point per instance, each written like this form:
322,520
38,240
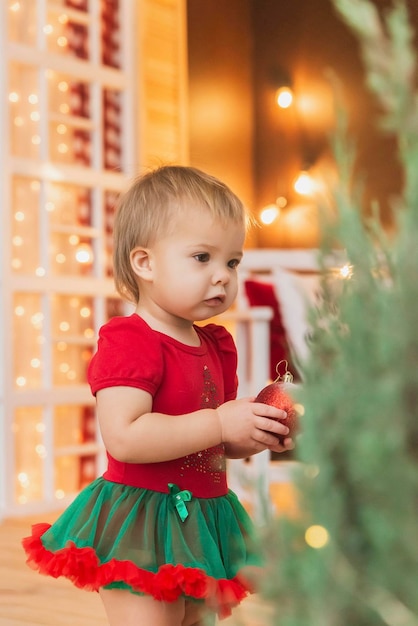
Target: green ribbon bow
179,498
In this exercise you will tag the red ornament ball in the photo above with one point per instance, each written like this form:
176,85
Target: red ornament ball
277,394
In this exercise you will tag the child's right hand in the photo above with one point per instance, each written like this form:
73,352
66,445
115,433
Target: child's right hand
252,426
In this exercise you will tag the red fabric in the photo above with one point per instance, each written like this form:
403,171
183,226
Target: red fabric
263,294
181,379
168,584
133,354
156,476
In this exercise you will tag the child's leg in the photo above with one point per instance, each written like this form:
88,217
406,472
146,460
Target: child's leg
197,615
124,608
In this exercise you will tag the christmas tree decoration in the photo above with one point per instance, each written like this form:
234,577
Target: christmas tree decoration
279,394
351,556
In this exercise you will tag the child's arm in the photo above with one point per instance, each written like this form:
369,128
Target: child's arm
134,434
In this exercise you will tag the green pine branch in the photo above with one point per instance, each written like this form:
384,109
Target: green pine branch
358,479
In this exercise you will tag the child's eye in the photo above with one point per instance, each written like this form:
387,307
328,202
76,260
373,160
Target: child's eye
203,257
233,263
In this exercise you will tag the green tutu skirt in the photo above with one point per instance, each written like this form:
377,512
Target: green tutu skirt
166,545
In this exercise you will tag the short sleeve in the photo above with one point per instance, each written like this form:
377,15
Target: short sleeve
128,354
227,351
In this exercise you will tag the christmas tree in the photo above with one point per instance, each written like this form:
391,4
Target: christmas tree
351,556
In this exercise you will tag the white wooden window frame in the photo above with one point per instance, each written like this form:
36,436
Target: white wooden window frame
98,180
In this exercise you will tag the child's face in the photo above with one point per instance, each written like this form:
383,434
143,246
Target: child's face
194,268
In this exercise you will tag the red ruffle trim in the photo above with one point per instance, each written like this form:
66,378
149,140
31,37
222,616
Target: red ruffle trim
83,568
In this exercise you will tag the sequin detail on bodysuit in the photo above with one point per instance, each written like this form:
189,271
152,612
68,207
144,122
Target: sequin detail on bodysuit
212,460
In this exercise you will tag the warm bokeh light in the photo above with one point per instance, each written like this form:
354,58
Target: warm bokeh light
316,536
299,408
269,214
284,97
84,253
304,184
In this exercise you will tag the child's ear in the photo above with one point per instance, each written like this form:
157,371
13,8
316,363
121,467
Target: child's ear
141,263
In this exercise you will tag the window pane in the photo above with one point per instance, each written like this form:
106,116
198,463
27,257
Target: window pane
70,128
68,32
110,200
112,129
67,96
117,306
25,225
22,20
28,321
73,338
24,111
111,20
71,255
73,426
68,205
28,428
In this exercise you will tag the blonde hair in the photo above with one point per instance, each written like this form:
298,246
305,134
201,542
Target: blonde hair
146,211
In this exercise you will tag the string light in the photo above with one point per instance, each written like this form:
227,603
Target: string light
284,97
299,408
269,214
84,253
37,320
23,478
305,184
41,451
346,271
69,358
316,536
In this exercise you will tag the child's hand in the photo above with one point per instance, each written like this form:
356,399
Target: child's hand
252,426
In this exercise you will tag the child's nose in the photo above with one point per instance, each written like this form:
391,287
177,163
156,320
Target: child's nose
221,277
